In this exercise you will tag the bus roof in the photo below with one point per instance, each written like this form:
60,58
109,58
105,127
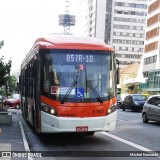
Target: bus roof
71,42
60,41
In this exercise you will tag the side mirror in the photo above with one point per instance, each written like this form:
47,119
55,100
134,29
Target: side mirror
117,71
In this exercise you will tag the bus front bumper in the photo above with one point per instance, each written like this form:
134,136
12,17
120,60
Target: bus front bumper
53,124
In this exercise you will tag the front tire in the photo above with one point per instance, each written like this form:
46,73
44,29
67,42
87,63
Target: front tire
144,118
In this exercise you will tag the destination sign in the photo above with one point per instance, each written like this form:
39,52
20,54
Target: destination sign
79,58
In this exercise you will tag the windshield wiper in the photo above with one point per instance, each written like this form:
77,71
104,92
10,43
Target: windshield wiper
68,92
90,85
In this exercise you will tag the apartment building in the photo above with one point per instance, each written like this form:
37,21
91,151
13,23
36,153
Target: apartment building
90,18
120,23
151,56
128,30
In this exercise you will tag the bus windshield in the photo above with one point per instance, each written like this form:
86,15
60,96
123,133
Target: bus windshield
78,75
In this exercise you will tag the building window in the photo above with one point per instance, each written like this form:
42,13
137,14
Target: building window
119,12
133,13
136,49
126,12
150,60
123,48
129,48
119,4
126,4
131,34
117,33
124,34
137,35
116,47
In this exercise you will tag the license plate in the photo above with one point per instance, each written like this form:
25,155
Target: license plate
82,129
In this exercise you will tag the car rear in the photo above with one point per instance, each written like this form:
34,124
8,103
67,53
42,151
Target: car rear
119,101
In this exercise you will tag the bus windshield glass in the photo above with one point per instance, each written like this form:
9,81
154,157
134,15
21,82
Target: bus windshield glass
78,75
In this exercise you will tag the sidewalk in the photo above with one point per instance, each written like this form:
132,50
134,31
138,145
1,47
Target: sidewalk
11,138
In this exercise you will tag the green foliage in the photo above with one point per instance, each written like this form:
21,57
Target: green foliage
12,83
131,88
4,71
119,90
1,44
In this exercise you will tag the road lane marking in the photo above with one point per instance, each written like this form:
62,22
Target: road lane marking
26,146
129,143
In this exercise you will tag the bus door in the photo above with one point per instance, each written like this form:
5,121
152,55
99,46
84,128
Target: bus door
36,93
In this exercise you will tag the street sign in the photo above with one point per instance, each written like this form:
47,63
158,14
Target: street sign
80,92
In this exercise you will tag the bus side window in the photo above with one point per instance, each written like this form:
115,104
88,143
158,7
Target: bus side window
25,82
28,88
22,83
29,83
31,80
34,76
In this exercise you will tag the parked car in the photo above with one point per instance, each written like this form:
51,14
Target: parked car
119,101
151,109
146,95
12,101
134,102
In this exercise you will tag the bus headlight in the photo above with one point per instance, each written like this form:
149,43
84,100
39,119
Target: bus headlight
111,109
52,111
49,110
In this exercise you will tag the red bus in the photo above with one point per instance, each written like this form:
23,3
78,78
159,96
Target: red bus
68,84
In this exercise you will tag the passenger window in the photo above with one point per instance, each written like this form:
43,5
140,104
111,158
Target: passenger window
157,101
129,98
152,101
126,98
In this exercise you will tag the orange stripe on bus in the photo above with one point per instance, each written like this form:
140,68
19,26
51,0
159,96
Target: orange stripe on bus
94,109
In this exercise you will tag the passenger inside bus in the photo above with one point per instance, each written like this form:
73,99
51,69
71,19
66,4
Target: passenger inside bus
54,82
53,76
51,80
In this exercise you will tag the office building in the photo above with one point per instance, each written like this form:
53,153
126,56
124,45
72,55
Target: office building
120,23
151,56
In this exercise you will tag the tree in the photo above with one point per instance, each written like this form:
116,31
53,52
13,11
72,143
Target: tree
1,44
12,83
4,71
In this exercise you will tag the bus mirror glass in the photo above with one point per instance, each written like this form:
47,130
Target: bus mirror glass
117,71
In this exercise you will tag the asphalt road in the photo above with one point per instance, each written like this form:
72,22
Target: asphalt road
128,141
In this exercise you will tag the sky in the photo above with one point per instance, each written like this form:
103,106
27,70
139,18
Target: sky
23,21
